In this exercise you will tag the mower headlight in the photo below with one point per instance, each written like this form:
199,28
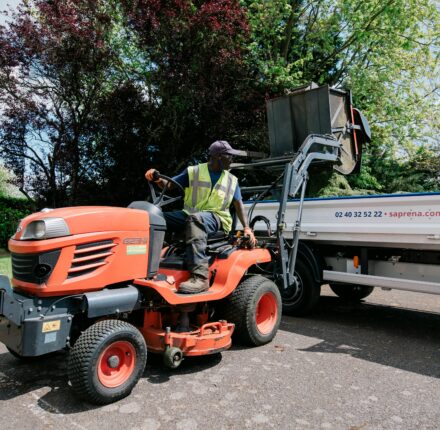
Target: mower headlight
45,229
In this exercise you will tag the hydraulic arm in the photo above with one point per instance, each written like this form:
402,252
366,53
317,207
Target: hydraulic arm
315,148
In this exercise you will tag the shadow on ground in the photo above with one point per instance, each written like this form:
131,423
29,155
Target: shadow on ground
401,338
49,374
405,339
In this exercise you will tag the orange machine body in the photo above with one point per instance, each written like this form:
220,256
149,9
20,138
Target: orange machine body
106,248
204,337
224,276
106,245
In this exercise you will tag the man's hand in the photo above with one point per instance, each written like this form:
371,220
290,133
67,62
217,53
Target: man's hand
252,240
149,174
242,216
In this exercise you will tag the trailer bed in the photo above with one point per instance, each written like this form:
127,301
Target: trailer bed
410,221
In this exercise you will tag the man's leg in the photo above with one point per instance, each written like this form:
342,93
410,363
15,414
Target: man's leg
175,221
197,228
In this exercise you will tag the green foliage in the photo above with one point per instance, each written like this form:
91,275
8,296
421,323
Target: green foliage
93,92
386,52
11,212
418,172
5,264
55,68
7,184
4,179
338,185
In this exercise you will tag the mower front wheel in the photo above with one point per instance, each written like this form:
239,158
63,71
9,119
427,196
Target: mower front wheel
172,357
255,309
107,361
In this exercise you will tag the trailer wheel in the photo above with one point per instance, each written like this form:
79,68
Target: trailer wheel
255,309
107,361
352,292
301,299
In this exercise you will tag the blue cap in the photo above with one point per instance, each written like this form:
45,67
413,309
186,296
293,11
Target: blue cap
222,147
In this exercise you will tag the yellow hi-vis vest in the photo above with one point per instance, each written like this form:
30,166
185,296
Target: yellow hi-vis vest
199,197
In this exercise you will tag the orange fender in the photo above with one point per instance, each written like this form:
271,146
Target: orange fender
228,273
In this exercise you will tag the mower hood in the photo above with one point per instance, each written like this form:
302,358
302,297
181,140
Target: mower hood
84,219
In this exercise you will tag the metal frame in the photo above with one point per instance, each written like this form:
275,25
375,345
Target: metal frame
382,281
315,148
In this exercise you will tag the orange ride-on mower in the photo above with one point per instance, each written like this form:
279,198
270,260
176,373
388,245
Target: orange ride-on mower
98,282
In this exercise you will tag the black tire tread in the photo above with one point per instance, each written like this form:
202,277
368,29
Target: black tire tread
311,292
235,308
82,353
349,293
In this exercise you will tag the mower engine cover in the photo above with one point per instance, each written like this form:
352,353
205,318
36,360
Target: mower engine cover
80,249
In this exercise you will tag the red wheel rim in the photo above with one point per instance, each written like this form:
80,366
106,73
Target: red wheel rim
116,364
267,313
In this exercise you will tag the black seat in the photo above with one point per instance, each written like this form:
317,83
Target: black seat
174,262
217,246
217,236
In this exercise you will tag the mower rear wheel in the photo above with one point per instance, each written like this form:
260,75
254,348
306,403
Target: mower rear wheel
255,309
107,361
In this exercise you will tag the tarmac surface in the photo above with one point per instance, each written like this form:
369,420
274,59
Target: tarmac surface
373,365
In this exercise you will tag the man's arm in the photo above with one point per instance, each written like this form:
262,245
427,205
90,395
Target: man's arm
181,179
162,183
242,216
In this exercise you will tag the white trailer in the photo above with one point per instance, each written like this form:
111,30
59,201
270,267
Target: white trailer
358,243
352,243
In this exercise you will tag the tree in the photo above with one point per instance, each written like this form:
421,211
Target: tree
54,67
95,88
195,75
384,51
6,178
93,92
120,151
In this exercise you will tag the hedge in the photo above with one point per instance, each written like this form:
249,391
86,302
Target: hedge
12,210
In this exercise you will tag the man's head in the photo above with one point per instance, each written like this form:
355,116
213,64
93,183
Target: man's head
221,153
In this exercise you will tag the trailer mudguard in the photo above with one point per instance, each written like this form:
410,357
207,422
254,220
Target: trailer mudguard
314,260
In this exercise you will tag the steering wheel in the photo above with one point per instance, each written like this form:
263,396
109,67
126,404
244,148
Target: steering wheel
158,197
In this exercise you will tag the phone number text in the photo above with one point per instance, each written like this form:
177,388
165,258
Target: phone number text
359,214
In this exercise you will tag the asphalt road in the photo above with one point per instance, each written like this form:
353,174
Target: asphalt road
374,365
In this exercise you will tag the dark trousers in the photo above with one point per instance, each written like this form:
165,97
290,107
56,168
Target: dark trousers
197,227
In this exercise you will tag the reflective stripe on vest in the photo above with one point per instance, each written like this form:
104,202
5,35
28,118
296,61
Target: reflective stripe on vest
200,197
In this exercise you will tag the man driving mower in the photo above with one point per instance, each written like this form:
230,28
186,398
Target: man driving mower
209,191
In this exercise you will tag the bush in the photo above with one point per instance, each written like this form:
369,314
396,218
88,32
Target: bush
12,210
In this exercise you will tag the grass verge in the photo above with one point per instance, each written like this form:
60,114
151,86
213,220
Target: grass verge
5,263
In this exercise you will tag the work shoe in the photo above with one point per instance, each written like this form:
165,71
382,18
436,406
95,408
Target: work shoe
195,284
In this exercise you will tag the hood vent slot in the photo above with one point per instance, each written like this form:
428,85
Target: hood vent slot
90,256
